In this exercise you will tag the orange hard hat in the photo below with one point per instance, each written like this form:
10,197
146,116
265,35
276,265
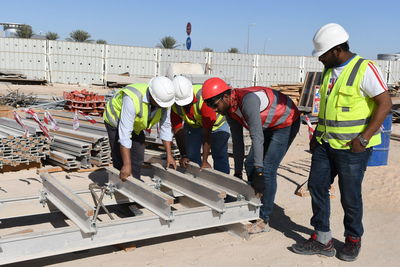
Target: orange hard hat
213,87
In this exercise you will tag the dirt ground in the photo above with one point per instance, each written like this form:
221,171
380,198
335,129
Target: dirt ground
289,224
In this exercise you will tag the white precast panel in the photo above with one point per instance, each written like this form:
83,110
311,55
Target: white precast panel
168,56
75,62
25,56
394,72
138,61
238,68
278,69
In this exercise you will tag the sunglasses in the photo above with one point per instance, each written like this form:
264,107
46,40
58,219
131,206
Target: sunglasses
213,104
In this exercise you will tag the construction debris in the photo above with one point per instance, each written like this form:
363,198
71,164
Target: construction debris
291,90
16,99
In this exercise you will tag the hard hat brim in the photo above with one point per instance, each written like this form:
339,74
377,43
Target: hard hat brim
318,53
184,102
165,104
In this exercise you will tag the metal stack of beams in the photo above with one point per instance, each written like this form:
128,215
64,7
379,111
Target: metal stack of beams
15,149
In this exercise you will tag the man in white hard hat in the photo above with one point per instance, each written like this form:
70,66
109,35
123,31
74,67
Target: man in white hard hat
354,103
196,126
133,109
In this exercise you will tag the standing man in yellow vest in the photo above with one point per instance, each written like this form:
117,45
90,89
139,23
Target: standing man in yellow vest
133,109
196,126
354,104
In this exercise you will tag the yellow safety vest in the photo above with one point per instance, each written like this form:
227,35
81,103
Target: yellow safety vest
346,112
197,121
136,92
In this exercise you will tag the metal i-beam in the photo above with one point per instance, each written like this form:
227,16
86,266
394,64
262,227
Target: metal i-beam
68,203
232,185
197,190
68,239
152,199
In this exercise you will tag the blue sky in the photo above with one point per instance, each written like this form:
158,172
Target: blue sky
281,27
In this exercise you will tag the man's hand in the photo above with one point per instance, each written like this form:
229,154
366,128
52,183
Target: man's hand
171,162
257,181
205,165
355,145
125,172
184,161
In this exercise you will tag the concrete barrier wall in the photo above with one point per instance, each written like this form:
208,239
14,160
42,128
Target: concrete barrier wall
85,63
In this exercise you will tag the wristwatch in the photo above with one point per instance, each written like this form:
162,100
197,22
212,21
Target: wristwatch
364,142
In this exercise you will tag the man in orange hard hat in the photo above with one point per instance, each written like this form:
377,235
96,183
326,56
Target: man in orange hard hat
273,121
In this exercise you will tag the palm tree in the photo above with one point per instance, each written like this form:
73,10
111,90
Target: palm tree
100,41
207,49
233,50
168,42
52,36
24,31
79,36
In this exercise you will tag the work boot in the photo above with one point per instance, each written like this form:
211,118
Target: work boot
351,249
259,226
312,247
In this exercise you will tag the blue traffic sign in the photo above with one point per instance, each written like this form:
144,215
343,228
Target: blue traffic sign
188,43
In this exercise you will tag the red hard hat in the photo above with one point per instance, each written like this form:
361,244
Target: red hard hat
213,87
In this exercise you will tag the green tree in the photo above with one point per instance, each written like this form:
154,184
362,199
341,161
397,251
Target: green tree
233,50
79,36
207,49
52,36
168,42
100,41
24,31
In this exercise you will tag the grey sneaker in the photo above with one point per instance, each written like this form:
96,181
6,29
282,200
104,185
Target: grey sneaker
351,249
258,226
312,247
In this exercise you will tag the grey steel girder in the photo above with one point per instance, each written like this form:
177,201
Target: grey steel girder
194,189
68,203
152,199
232,185
69,239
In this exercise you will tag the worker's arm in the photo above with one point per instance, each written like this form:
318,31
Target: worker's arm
179,134
383,107
206,147
166,137
125,128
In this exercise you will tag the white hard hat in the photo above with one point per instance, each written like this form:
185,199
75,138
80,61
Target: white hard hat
162,90
328,36
183,90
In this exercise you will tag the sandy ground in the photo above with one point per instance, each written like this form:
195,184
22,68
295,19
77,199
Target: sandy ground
289,224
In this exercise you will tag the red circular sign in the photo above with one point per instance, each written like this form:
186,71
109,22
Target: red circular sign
188,28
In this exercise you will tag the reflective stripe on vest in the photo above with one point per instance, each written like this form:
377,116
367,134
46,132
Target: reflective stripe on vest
346,112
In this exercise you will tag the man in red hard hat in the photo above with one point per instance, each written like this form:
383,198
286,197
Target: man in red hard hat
273,121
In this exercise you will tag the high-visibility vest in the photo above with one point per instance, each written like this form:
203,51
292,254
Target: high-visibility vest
197,120
346,112
280,112
136,92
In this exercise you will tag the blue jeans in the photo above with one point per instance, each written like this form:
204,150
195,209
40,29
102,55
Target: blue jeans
326,163
219,146
276,144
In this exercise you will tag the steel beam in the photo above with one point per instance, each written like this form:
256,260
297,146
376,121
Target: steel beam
194,189
68,203
154,200
43,244
232,185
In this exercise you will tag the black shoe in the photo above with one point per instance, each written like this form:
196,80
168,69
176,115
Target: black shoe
351,249
312,246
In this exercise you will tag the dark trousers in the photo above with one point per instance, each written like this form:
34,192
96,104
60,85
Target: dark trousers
276,144
326,164
137,150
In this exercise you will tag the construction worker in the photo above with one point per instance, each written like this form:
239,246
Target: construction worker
197,126
133,109
273,121
354,103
